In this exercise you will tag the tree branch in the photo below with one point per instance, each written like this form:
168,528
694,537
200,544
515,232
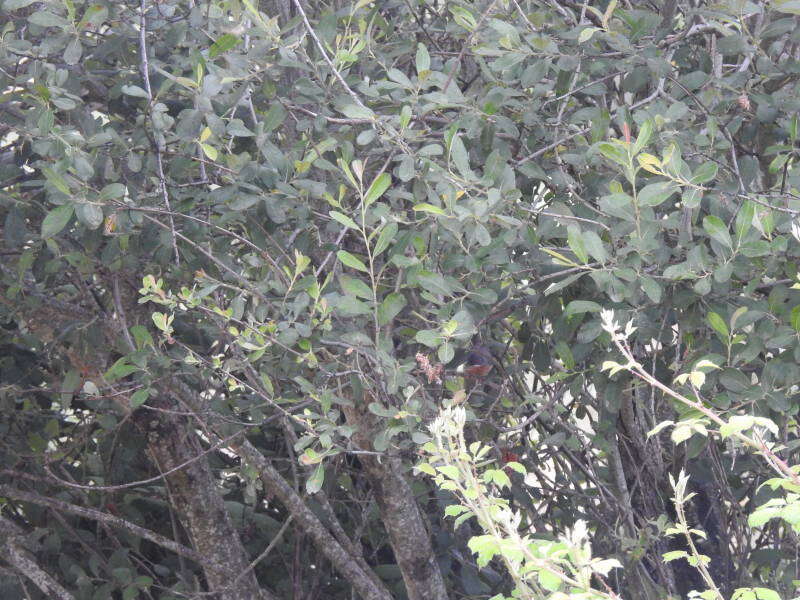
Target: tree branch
16,555
96,515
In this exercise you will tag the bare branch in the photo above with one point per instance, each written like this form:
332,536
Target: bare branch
145,69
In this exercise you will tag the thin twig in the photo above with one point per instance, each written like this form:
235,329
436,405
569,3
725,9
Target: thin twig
263,253
145,68
121,313
465,46
583,131
339,239
124,486
325,56
246,284
568,217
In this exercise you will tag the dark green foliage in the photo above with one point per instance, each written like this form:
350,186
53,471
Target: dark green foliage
264,233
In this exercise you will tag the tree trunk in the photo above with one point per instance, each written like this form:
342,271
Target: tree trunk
399,512
193,490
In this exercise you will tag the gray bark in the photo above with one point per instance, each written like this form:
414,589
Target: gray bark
172,442
400,514
16,555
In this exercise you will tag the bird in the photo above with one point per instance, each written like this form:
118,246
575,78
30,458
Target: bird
478,362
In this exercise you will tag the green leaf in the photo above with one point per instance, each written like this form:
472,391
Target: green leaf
760,516
45,18
485,296
645,132
577,307
744,219
559,285
139,397
575,241
736,424
549,581
656,193
142,337
10,5
71,381
515,466
224,43
791,7
236,128
679,271
430,208
423,59
705,173
73,51
429,337
718,324
766,594
343,219
387,412
377,188
274,117
619,205
651,288
209,151
407,164
89,214
315,481
681,433
349,306
717,230
614,152
121,368
354,111
500,478
459,156
399,77
351,261
737,314
565,355
162,321
134,90
586,34
690,198
390,307
464,325
454,510
434,283
355,287
56,220
594,245
112,191
56,180
674,555
482,235
385,238
485,546
463,17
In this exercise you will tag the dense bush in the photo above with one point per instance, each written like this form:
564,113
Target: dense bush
247,246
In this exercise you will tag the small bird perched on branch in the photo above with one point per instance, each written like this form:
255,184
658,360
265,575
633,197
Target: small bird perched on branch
478,362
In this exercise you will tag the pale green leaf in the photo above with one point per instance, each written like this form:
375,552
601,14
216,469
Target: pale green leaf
390,307
377,188
343,219
351,261
56,220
